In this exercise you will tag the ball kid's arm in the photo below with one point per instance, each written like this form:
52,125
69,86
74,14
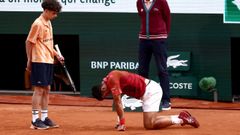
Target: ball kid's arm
29,55
57,53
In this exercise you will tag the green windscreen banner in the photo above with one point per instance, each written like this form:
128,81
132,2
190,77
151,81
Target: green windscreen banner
232,11
95,67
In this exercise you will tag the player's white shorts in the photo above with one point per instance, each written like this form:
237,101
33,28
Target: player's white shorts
152,96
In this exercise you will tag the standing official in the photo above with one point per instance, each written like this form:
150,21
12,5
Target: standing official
154,31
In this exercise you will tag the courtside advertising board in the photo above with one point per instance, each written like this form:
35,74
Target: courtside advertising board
118,6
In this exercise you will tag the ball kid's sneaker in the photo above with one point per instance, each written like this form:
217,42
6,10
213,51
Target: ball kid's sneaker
38,124
50,123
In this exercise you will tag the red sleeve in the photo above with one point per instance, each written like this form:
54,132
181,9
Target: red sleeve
166,15
113,84
138,7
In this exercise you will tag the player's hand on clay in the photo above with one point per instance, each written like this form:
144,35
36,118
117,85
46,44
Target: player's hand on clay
116,126
120,127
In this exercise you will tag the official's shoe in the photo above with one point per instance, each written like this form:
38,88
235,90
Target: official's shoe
38,124
50,123
188,119
166,106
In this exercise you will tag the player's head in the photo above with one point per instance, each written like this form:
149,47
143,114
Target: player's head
97,92
52,5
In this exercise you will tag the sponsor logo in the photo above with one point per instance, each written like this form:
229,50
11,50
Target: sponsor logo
114,65
236,3
172,61
232,11
181,86
131,102
156,9
39,82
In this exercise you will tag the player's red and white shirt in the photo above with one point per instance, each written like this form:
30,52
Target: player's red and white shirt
123,82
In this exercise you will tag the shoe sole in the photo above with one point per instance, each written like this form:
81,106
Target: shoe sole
34,127
56,126
166,109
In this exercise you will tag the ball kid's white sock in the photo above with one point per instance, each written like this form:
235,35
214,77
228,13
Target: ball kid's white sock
44,114
35,115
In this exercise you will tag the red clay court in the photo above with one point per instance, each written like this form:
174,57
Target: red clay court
81,115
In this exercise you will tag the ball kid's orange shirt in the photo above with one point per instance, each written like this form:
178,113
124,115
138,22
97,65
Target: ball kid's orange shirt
41,36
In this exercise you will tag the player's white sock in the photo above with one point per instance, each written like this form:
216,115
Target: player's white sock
44,114
35,115
176,120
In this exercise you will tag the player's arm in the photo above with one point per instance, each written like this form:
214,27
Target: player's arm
114,87
118,106
120,112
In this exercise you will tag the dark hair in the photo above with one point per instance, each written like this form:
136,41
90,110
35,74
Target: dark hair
52,5
96,92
